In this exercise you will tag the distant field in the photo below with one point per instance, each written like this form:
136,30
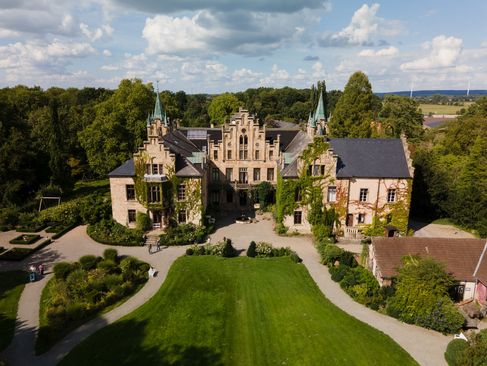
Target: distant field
441,109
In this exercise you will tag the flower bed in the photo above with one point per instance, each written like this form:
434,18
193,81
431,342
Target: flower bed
263,249
30,228
25,239
220,249
111,232
184,234
81,290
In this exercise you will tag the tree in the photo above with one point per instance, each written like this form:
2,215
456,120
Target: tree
401,115
421,296
354,110
119,127
222,106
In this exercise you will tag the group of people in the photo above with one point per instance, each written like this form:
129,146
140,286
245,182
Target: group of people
35,272
158,246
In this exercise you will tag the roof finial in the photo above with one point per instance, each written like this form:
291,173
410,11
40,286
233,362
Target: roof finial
159,112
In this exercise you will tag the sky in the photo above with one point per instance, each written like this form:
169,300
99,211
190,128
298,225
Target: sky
212,46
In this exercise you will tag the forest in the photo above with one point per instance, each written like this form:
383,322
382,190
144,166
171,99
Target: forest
49,139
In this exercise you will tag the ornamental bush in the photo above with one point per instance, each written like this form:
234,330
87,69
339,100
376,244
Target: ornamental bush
251,250
329,253
110,254
455,352
62,270
263,249
229,250
143,221
111,232
184,234
88,262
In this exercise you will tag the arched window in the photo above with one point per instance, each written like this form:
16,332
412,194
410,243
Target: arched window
243,147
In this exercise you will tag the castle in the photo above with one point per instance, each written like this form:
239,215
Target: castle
179,173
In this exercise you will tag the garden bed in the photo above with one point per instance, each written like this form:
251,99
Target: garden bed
25,239
184,234
18,254
113,233
82,290
64,229
33,228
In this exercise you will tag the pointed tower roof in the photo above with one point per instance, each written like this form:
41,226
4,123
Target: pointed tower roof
159,112
320,109
311,120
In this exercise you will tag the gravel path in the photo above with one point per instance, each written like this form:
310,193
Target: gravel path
70,247
425,346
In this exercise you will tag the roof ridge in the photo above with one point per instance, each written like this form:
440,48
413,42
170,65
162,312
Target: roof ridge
480,260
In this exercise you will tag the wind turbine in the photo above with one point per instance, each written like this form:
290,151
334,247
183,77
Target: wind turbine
468,88
411,93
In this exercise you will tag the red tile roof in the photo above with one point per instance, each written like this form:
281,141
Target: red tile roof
460,256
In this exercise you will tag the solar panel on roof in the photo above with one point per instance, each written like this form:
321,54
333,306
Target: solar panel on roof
197,134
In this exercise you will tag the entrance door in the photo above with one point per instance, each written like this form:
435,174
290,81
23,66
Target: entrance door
156,219
243,198
349,220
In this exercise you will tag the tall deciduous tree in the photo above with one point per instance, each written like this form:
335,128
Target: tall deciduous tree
401,115
354,110
119,127
222,106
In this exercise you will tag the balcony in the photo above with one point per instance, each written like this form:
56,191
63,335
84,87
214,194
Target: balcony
155,178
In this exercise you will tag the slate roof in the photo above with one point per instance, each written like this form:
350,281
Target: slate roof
460,256
370,158
127,169
295,147
286,136
214,133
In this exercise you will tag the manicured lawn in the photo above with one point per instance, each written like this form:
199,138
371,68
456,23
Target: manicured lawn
441,109
239,311
11,286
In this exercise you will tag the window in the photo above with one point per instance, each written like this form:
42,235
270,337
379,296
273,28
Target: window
229,174
322,170
215,154
242,175
215,175
364,192
310,170
130,192
270,174
297,195
154,194
361,218
316,170
229,196
215,197
271,154
155,169
182,216
132,215
181,192
298,217
229,154
391,195
256,174
243,147
257,154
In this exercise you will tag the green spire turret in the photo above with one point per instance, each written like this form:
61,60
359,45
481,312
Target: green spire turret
320,109
159,112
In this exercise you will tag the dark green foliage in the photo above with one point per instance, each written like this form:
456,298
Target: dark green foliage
184,234
62,269
355,109
476,353
338,272
348,259
111,232
18,254
329,253
94,208
229,250
401,115
110,254
25,239
189,251
81,290
295,257
264,193
143,222
251,250
421,296
455,352
222,106
88,262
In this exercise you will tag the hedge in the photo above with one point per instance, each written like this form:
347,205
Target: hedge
33,228
30,239
18,254
112,233
455,352
64,231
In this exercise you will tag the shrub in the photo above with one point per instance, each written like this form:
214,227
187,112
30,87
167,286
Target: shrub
25,239
184,234
9,216
281,229
110,254
88,262
143,221
263,249
62,270
189,251
94,208
228,250
338,272
251,250
476,354
111,232
455,352
107,264
348,259
295,258
329,253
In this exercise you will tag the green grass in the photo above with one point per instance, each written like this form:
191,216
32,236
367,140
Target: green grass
441,109
239,311
11,286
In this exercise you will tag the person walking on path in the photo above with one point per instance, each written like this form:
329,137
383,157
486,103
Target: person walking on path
158,244
150,248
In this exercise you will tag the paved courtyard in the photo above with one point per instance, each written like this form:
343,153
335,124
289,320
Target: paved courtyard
427,347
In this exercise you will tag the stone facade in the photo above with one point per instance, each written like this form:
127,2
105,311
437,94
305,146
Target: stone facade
179,173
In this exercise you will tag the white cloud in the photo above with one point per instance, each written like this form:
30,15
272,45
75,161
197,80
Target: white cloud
277,77
96,34
318,70
365,26
444,52
244,76
239,32
107,53
384,52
